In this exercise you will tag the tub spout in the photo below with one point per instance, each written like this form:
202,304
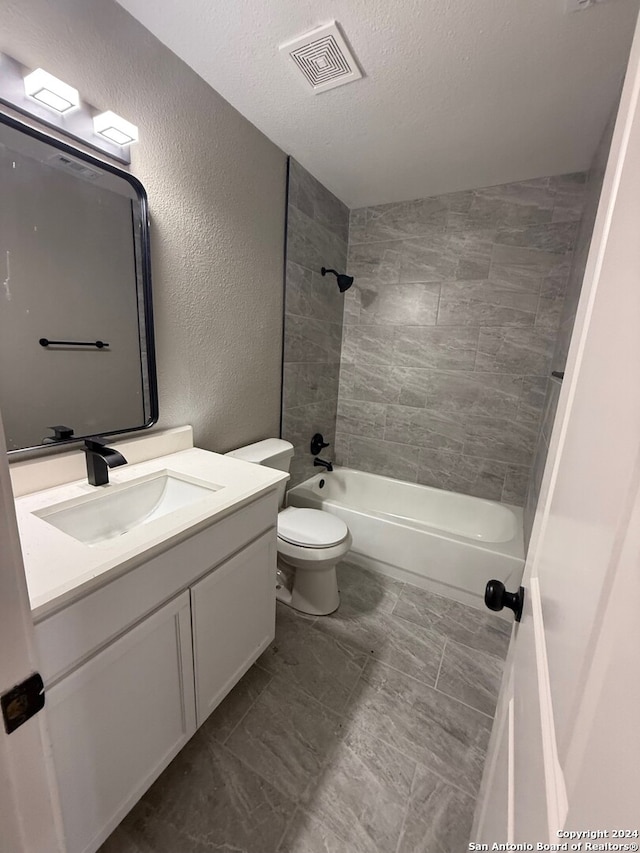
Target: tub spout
322,463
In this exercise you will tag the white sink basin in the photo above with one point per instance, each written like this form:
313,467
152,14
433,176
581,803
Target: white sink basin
106,516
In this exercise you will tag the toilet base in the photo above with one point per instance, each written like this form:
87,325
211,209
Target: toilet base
314,591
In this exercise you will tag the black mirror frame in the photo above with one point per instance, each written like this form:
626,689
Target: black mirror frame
145,244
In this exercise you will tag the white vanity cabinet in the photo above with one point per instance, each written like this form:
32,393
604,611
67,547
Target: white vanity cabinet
133,668
119,719
233,620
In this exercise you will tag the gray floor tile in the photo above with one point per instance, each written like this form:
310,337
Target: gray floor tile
422,723
411,648
350,628
330,744
312,660
236,704
206,800
370,592
286,737
469,675
466,625
438,819
362,794
363,622
308,834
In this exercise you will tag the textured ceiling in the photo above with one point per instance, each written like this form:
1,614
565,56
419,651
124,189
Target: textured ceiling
457,93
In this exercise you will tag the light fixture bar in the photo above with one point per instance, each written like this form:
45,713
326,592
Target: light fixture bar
74,121
53,93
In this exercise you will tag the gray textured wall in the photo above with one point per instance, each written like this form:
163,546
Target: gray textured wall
216,189
317,234
449,333
592,197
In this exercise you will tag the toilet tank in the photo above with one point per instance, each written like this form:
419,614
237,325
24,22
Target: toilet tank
272,452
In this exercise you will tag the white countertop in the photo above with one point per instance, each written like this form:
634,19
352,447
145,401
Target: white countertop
59,569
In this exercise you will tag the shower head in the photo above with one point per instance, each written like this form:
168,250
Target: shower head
344,281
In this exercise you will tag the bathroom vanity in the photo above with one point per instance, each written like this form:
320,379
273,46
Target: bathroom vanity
153,593
145,626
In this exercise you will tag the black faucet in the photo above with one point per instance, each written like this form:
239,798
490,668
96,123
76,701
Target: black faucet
99,459
322,463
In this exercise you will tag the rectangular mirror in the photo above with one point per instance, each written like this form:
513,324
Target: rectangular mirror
76,321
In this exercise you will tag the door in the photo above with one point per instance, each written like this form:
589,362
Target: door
29,811
224,646
106,750
565,746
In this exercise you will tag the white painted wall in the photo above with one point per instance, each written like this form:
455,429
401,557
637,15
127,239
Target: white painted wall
216,189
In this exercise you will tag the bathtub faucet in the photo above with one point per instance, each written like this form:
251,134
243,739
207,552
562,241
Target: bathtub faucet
322,463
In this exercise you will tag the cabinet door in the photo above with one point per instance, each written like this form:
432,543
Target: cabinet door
233,613
118,720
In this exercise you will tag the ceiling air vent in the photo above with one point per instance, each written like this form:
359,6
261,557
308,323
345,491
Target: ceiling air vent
323,57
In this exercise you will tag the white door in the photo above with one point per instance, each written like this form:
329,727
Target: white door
29,811
565,752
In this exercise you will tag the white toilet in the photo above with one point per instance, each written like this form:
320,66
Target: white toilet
310,541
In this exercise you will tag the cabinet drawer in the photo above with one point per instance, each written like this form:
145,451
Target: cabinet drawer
70,636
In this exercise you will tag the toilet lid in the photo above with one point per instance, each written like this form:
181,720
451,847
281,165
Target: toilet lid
311,528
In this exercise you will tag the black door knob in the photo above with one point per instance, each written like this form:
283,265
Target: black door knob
496,597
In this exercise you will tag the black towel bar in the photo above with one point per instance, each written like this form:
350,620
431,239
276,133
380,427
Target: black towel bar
45,342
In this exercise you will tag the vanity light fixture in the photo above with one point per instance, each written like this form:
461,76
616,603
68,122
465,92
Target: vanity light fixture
53,93
55,104
115,129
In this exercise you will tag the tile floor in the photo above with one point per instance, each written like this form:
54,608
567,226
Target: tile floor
360,732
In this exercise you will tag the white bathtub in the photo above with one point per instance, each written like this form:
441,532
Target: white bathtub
448,543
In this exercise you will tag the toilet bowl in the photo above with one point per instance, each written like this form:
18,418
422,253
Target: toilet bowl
310,541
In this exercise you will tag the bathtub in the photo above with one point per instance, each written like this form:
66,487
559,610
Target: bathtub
448,543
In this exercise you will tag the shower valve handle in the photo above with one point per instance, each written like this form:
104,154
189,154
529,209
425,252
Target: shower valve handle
318,444
496,597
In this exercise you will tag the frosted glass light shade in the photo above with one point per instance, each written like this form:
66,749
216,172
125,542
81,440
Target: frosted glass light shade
115,128
48,90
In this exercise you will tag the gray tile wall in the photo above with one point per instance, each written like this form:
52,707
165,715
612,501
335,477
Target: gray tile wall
450,330
567,318
317,236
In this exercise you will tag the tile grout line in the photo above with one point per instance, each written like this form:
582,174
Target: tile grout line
243,716
397,601
287,826
429,687
258,774
406,812
444,648
343,713
430,769
450,639
309,697
479,651
465,704
404,673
